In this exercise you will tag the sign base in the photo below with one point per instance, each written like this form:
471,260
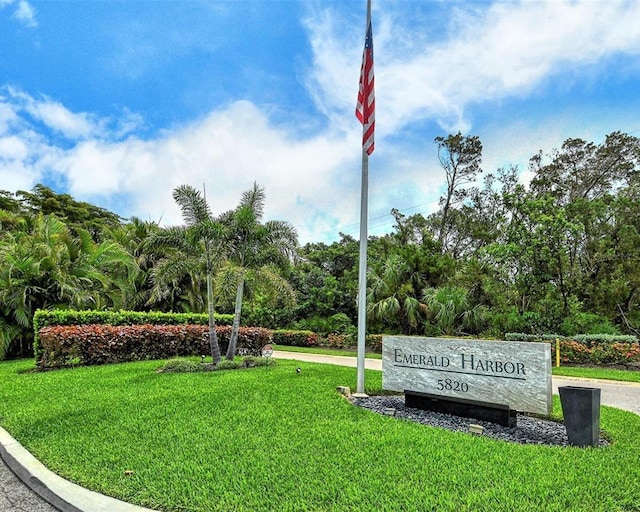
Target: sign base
495,413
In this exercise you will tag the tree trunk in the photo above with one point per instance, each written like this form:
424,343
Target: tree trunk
233,341
213,337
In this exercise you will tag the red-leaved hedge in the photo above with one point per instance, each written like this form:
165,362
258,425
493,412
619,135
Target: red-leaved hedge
67,345
293,338
622,354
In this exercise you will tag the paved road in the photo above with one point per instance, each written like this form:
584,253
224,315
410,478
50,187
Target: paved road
16,497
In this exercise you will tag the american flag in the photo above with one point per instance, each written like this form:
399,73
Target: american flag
366,107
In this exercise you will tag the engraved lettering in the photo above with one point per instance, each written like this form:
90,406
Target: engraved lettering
467,359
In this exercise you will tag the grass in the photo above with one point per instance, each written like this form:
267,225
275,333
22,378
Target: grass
270,438
597,373
568,371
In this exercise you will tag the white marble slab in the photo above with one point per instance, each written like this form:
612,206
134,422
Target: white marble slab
517,374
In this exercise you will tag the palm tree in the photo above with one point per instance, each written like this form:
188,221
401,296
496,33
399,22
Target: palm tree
254,249
190,249
103,271
45,266
134,236
451,310
392,294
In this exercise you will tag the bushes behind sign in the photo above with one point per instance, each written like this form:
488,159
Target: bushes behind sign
594,349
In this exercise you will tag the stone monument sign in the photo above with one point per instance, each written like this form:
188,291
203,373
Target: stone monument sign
517,374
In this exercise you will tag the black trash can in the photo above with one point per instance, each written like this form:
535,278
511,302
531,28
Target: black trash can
581,409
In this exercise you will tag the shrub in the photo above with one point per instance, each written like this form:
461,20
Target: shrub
572,352
338,323
373,342
43,318
251,361
591,340
295,338
588,323
595,349
180,365
100,344
616,353
227,364
340,341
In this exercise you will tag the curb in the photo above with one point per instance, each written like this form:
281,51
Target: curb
62,494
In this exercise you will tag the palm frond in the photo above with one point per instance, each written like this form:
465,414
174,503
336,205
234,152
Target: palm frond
254,199
226,281
192,204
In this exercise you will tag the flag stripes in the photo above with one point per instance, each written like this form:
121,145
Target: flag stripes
365,109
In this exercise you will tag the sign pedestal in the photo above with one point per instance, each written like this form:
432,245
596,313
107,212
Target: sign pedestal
495,413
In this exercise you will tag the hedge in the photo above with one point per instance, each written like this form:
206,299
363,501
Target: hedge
44,318
595,349
625,354
589,340
68,345
374,343
295,338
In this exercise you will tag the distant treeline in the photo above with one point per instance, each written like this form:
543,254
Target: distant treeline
557,255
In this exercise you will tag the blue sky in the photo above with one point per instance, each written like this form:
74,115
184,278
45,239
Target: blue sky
119,102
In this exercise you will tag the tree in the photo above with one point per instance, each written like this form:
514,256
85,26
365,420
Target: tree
44,265
74,213
584,170
326,279
392,298
482,218
450,310
460,157
134,236
253,249
192,249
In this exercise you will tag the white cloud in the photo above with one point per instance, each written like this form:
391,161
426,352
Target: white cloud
54,115
8,116
60,119
16,176
228,150
13,148
24,12
506,50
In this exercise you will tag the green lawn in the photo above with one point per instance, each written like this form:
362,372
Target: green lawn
598,373
270,438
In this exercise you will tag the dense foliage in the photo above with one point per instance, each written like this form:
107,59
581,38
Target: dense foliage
558,256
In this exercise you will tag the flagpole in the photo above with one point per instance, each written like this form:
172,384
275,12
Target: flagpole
362,273
362,270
